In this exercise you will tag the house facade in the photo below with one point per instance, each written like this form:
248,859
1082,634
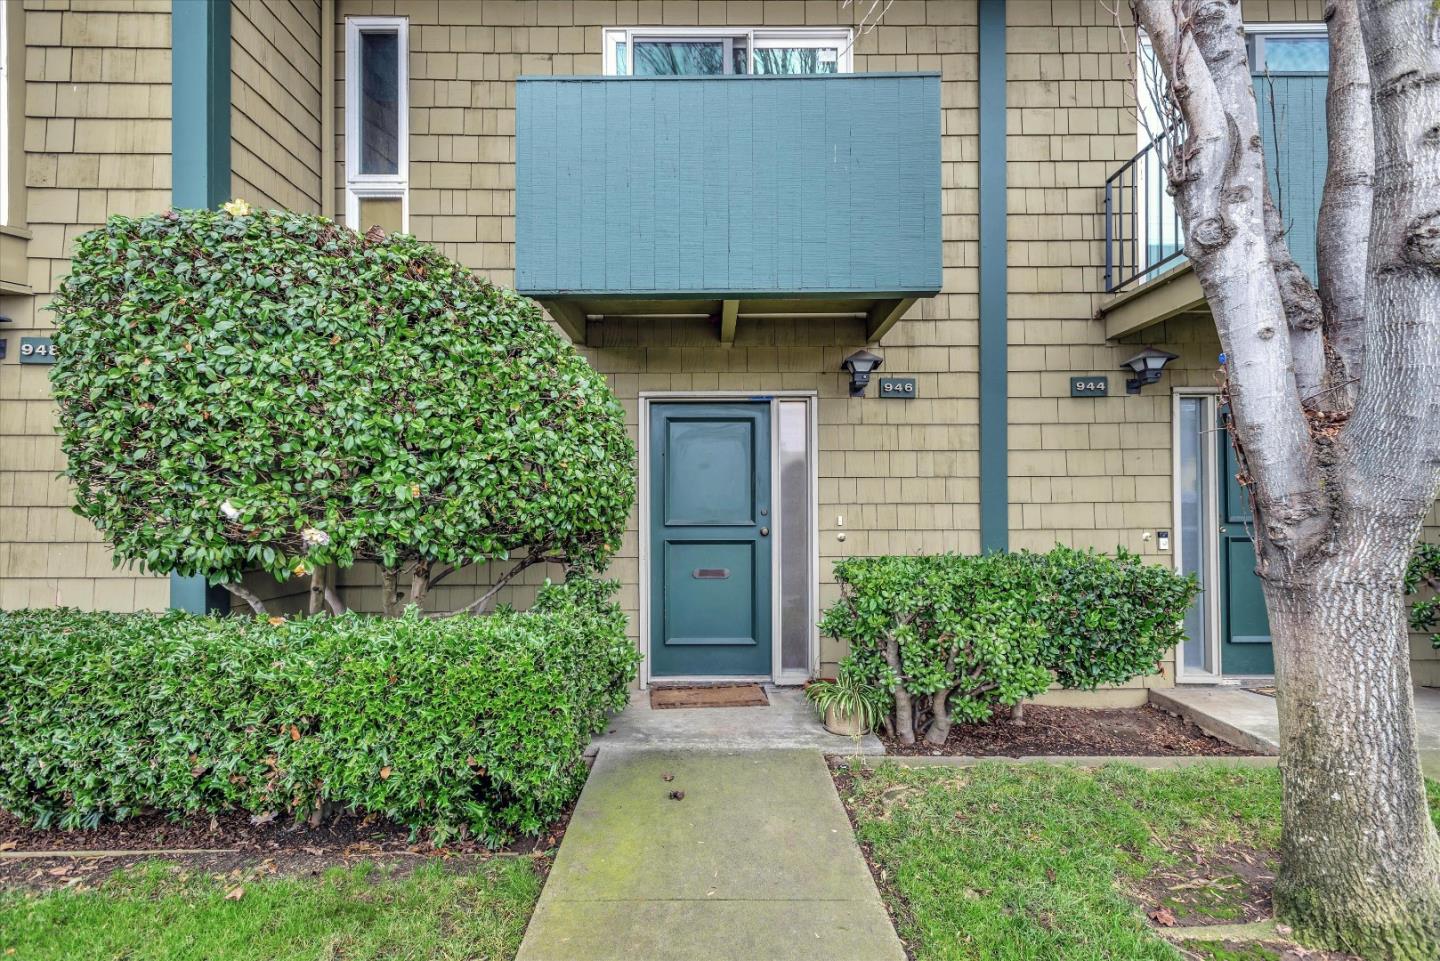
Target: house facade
721,203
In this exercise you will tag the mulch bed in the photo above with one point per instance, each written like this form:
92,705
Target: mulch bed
1071,731
235,846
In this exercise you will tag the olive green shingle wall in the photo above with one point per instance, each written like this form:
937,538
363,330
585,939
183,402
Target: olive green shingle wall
275,102
97,142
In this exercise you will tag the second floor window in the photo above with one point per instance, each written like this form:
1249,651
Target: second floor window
376,123
670,51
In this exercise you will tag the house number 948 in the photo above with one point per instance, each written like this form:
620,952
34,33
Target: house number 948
37,350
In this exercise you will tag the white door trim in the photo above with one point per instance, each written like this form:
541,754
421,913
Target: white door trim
1211,523
811,397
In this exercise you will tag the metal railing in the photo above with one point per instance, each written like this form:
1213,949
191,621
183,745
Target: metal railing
1142,226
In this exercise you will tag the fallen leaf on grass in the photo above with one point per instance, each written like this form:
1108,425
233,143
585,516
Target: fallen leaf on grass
1162,916
677,795
384,773
235,893
667,777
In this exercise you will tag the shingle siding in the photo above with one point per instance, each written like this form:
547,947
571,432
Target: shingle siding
903,475
97,142
275,103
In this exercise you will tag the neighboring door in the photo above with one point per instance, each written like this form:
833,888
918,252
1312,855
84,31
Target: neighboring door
710,528
1244,625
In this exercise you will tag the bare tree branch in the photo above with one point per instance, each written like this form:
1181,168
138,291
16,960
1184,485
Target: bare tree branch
332,596
248,596
1301,305
1218,177
1392,439
537,556
1342,234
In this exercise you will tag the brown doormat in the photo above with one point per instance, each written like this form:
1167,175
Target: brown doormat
712,695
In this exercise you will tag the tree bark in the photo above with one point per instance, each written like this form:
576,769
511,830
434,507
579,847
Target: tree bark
904,704
1338,501
317,590
419,583
1360,860
1342,233
332,596
390,592
251,599
939,730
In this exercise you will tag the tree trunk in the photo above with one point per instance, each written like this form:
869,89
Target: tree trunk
1360,859
939,730
904,715
419,583
390,592
904,703
317,590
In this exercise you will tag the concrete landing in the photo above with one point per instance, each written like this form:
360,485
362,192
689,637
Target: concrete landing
756,863
1251,720
787,723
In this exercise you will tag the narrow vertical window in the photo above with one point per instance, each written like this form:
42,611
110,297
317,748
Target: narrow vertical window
797,616
376,124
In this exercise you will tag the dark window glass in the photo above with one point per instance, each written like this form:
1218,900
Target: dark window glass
379,103
670,58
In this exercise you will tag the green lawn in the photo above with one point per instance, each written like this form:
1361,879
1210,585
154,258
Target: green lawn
1003,862
154,913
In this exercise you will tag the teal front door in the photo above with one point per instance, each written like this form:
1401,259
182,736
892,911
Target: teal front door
1244,625
710,536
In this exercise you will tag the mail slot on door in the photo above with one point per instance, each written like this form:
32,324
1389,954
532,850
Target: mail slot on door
712,573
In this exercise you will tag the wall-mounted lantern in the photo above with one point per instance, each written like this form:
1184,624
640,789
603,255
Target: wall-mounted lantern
1146,366
860,365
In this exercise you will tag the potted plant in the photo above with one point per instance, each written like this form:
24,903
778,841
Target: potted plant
848,705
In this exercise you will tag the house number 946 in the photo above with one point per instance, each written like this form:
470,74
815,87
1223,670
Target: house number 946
901,388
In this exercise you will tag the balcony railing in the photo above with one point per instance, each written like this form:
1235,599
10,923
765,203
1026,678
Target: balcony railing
1142,227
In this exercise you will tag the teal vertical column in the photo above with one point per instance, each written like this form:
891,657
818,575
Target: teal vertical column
199,163
994,370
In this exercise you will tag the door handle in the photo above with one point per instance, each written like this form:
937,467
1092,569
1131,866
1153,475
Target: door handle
764,532
1224,530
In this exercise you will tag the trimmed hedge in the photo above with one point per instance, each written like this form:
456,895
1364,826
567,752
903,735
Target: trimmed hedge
952,636
243,389
474,722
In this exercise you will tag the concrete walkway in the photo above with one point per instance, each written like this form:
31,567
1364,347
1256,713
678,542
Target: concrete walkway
757,862
788,722
1251,720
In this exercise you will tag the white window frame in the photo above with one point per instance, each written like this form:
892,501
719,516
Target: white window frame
1210,550
5,28
1255,34
381,186
754,37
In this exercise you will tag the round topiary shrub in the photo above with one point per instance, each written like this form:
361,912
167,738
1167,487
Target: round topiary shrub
244,389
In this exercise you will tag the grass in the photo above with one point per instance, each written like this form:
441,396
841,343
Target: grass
157,913
1005,862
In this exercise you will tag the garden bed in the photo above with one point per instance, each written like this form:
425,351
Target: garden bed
233,845
1073,731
